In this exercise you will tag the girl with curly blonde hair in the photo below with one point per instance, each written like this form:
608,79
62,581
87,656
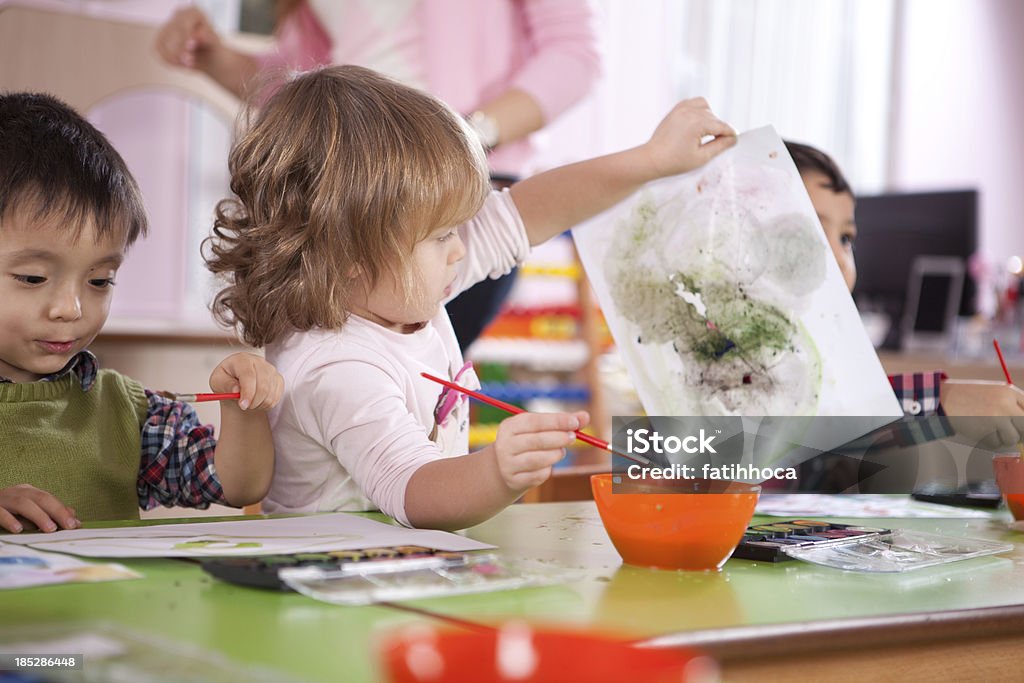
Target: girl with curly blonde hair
361,206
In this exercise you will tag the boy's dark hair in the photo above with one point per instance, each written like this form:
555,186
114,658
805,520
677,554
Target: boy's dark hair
809,158
55,164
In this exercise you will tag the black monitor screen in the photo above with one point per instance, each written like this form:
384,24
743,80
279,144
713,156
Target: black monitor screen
892,229
932,302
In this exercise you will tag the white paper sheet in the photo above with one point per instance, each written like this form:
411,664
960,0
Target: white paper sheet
724,298
22,567
311,533
857,505
735,245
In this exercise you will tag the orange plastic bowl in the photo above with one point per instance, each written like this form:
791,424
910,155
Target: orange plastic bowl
1010,479
522,654
690,524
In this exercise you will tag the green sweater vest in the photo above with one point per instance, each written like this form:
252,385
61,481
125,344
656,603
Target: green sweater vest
83,447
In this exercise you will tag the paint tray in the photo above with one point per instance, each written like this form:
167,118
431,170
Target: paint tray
415,578
898,551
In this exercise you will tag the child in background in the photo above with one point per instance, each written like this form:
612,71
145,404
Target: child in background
362,206
919,393
73,434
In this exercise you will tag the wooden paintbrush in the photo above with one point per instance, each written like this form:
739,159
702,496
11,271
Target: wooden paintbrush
515,410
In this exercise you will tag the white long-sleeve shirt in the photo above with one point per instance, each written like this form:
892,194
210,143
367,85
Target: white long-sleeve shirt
357,419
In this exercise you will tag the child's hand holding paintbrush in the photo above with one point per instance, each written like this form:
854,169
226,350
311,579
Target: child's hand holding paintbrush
242,377
245,453
257,382
515,410
247,387
527,445
1009,383
974,400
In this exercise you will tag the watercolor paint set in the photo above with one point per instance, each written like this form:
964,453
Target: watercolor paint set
858,548
768,542
362,577
264,571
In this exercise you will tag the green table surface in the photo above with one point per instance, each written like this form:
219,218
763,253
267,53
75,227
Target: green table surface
645,603
320,642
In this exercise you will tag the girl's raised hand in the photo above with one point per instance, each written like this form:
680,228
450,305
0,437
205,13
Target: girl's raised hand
678,144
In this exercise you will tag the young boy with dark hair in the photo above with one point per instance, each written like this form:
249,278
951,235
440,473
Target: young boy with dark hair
77,442
919,393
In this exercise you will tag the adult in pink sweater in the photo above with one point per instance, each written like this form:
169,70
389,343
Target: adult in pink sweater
510,66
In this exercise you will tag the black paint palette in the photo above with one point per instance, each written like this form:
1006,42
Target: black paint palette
262,571
363,577
765,542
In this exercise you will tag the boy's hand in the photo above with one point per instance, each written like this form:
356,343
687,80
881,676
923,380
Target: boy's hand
258,382
675,147
529,444
186,38
974,400
37,506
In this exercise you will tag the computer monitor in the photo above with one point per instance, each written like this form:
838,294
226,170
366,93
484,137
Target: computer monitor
894,229
933,300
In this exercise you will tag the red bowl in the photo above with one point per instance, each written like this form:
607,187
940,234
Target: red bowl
1010,478
517,653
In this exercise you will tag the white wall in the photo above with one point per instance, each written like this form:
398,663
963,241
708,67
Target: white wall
643,74
956,116
958,105
960,110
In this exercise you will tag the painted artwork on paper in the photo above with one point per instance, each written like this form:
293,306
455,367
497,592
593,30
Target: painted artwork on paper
723,296
270,536
22,567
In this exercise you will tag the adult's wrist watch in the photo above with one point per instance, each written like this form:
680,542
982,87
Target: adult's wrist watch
486,128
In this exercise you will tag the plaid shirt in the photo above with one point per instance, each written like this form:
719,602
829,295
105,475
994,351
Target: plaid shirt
924,420
177,452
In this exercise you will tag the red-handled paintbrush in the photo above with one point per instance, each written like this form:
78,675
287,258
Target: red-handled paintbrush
1006,374
515,410
200,398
